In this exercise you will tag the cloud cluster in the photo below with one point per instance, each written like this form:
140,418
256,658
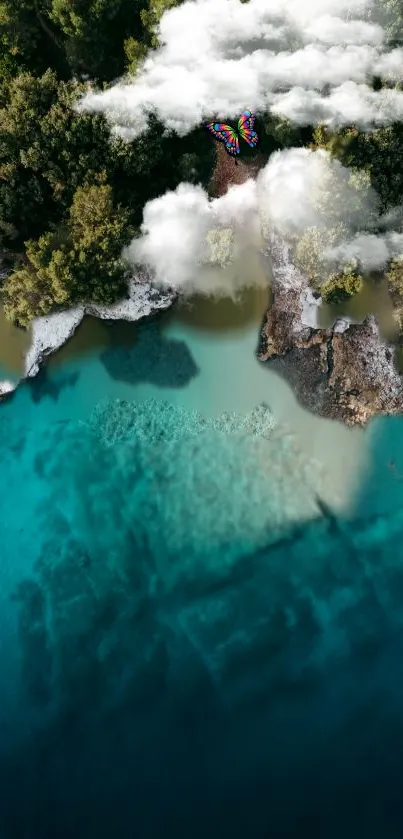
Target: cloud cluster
298,190
307,61
195,244
371,251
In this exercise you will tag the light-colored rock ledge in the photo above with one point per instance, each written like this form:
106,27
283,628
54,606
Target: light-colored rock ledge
51,332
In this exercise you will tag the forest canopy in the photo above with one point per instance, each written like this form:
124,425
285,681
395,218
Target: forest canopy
72,193
52,158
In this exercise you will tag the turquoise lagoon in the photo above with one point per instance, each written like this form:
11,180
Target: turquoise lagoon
201,595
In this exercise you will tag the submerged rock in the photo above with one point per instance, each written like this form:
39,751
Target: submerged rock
345,373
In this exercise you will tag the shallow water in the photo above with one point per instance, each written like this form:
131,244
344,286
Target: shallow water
373,298
200,356
13,344
188,645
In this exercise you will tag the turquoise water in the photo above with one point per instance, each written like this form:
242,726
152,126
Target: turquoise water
200,597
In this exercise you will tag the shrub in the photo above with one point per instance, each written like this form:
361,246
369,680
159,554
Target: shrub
340,287
76,262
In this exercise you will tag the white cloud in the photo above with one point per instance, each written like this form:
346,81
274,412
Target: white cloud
297,190
287,189
307,60
219,56
329,29
349,104
372,252
176,224
176,233
390,65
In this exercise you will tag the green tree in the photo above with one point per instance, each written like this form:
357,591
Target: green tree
394,278
340,287
76,262
52,154
379,152
95,32
46,151
310,248
392,20
25,197
155,162
29,36
151,17
135,52
70,36
279,133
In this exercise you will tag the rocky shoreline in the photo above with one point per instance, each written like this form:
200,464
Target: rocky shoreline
345,373
51,332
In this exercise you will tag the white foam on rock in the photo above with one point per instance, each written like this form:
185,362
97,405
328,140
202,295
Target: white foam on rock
6,386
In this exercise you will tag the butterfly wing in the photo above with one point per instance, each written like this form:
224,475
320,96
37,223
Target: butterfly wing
246,129
226,135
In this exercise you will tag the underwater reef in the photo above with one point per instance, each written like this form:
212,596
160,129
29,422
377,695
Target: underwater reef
178,629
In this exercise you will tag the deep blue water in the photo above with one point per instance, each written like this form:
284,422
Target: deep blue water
191,644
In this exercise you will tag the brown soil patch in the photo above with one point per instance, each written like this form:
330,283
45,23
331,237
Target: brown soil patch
227,172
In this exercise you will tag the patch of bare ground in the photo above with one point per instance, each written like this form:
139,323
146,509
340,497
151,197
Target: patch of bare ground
227,173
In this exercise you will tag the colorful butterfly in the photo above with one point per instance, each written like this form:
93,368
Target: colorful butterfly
229,137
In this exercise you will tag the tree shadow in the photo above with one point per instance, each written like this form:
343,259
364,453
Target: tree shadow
44,385
152,359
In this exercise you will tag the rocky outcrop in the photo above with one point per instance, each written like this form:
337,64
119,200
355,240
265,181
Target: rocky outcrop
48,334
346,373
51,332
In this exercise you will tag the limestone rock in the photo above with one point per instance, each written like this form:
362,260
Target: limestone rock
346,373
49,333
